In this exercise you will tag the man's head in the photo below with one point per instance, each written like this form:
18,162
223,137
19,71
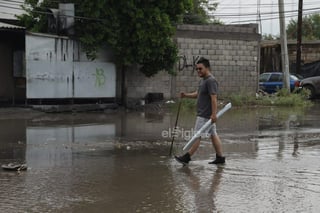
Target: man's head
203,67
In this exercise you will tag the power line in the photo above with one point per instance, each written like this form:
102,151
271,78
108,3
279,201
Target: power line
254,14
272,18
266,15
252,5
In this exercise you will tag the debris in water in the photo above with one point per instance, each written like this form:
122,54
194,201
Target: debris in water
14,167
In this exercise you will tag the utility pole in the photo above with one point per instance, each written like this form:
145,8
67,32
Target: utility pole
284,47
299,38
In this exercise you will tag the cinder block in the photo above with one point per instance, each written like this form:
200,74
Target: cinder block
203,41
228,56
207,46
226,42
203,52
195,51
211,41
218,41
183,45
211,52
199,46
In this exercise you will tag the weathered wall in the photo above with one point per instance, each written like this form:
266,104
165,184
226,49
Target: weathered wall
232,50
310,51
271,54
57,68
139,85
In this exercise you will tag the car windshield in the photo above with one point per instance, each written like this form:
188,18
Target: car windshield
264,77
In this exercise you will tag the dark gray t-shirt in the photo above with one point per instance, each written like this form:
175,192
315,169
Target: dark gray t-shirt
207,86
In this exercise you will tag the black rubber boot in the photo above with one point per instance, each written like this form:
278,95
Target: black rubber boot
184,159
218,160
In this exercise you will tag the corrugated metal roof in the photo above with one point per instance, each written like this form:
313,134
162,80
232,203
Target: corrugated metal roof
10,26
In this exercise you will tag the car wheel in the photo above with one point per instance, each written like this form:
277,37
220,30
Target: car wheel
311,89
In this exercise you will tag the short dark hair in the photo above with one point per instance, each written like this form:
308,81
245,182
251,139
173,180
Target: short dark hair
204,61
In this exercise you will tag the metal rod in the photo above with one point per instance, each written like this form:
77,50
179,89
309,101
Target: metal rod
175,126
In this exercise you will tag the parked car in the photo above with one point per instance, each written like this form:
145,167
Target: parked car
312,84
270,82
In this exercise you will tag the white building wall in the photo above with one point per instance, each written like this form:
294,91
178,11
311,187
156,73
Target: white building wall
94,78
56,68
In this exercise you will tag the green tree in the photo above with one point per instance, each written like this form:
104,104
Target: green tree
310,27
199,12
269,37
35,18
138,31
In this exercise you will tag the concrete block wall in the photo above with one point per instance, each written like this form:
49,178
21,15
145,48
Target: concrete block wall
139,85
233,51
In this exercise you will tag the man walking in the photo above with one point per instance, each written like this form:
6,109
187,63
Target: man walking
206,109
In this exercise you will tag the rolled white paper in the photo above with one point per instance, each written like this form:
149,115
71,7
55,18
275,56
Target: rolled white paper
206,126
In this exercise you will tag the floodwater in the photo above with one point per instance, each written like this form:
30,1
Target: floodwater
118,162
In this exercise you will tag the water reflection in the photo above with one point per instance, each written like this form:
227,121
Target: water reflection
53,146
197,187
12,139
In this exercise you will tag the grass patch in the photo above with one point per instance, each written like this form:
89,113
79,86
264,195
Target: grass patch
280,98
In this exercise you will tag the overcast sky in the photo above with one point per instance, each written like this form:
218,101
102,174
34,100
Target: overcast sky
246,11
229,11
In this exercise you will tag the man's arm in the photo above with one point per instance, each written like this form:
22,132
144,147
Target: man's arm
214,107
189,95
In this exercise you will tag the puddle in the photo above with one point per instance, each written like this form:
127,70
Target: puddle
118,162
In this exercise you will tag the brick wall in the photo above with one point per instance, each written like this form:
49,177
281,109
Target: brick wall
233,51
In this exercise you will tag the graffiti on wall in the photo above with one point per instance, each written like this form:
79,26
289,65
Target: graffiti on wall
100,77
184,62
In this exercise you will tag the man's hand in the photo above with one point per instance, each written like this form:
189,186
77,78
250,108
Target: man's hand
213,118
189,95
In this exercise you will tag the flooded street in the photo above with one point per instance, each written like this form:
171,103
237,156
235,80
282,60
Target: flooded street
118,162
